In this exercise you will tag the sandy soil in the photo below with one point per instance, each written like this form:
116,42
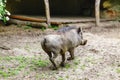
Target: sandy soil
98,60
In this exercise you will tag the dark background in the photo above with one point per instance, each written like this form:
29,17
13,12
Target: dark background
57,7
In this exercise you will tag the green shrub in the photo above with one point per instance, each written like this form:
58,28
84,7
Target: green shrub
3,12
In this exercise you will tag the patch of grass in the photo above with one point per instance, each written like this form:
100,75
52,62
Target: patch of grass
19,63
118,70
38,76
60,78
91,60
67,66
10,72
43,28
67,76
17,58
3,74
40,63
7,72
76,62
27,27
83,67
5,58
54,27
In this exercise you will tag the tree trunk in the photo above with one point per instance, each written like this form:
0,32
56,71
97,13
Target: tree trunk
97,12
47,10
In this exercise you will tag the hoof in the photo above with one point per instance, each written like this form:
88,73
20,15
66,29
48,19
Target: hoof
62,65
70,58
54,68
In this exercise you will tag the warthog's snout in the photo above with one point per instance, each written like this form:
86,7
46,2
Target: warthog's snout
83,42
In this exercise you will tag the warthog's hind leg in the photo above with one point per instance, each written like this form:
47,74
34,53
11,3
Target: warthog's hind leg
71,51
52,60
63,60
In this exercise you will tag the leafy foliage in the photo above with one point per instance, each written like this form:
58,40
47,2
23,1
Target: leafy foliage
113,8
3,12
107,4
115,2
54,27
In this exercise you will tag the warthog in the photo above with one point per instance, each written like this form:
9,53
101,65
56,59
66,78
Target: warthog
65,39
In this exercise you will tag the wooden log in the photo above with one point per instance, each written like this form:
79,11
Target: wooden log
20,22
31,19
47,10
25,18
97,12
42,22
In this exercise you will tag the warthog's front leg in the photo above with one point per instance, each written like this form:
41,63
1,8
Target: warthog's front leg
52,60
71,51
63,60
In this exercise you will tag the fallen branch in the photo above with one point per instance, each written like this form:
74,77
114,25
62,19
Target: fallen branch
31,19
25,18
41,22
82,21
20,22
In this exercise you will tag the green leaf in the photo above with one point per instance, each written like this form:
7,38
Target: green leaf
3,11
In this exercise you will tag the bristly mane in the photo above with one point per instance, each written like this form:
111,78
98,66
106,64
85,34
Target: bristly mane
65,29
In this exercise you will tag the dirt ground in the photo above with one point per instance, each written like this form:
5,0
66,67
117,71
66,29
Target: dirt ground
98,60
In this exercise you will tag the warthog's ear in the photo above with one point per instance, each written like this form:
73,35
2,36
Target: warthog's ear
79,30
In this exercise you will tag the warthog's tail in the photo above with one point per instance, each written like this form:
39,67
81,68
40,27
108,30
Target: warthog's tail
43,42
